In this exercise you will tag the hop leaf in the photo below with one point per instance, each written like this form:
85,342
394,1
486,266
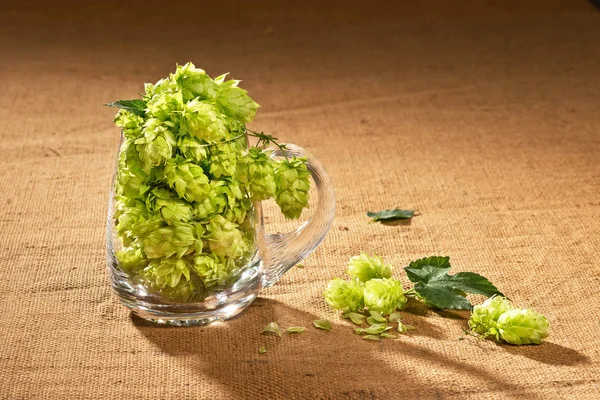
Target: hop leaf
520,326
187,179
292,186
224,239
365,267
384,295
344,295
202,120
485,316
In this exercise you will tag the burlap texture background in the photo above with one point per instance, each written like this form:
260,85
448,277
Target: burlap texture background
486,118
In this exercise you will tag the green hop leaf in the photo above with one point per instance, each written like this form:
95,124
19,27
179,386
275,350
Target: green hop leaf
135,106
272,329
384,295
344,295
295,329
322,324
356,318
485,316
366,267
390,215
439,289
520,326
292,186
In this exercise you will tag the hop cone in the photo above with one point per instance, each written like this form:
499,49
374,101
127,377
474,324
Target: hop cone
187,179
235,102
212,271
194,82
223,159
155,147
168,271
257,171
168,241
131,258
485,316
384,295
224,239
521,326
292,186
344,295
365,267
130,123
165,106
202,120
171,208
192,149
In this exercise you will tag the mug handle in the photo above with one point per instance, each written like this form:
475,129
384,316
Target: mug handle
281,251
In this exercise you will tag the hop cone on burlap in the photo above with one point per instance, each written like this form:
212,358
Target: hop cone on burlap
485,316
520,326
344,295
366,267
384,295
292,186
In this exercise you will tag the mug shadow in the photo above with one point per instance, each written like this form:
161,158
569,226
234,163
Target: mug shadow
549,353
314,364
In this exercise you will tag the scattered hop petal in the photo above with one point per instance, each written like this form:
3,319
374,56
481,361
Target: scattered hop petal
292,186
256,170
202,120
194,82
213,272
272,328
168,241
485,316
384,295
130,123
519,326
365,267
187,179
225,239
322,324
344,295
236,102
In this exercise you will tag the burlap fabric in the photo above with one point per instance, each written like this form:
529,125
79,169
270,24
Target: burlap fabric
486,118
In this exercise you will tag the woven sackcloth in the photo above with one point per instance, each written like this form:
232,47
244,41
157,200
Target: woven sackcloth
482,115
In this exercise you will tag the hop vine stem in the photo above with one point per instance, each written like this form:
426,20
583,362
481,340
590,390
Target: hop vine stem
266,139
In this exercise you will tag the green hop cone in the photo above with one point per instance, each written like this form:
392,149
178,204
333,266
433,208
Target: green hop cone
257,170
131,258
520,326
130,123
168,271
225,239
194,82
192,149
187,179
236,102
211,270
223,158
366,267
127,217
165,106
131,177
292,186
165,85
344,295
384,295
168,241
485,316
171,208
203,120
156,145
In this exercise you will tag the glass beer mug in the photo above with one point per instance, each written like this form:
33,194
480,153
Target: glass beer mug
182,297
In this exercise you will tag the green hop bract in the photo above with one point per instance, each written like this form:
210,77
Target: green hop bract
186,182
365,267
